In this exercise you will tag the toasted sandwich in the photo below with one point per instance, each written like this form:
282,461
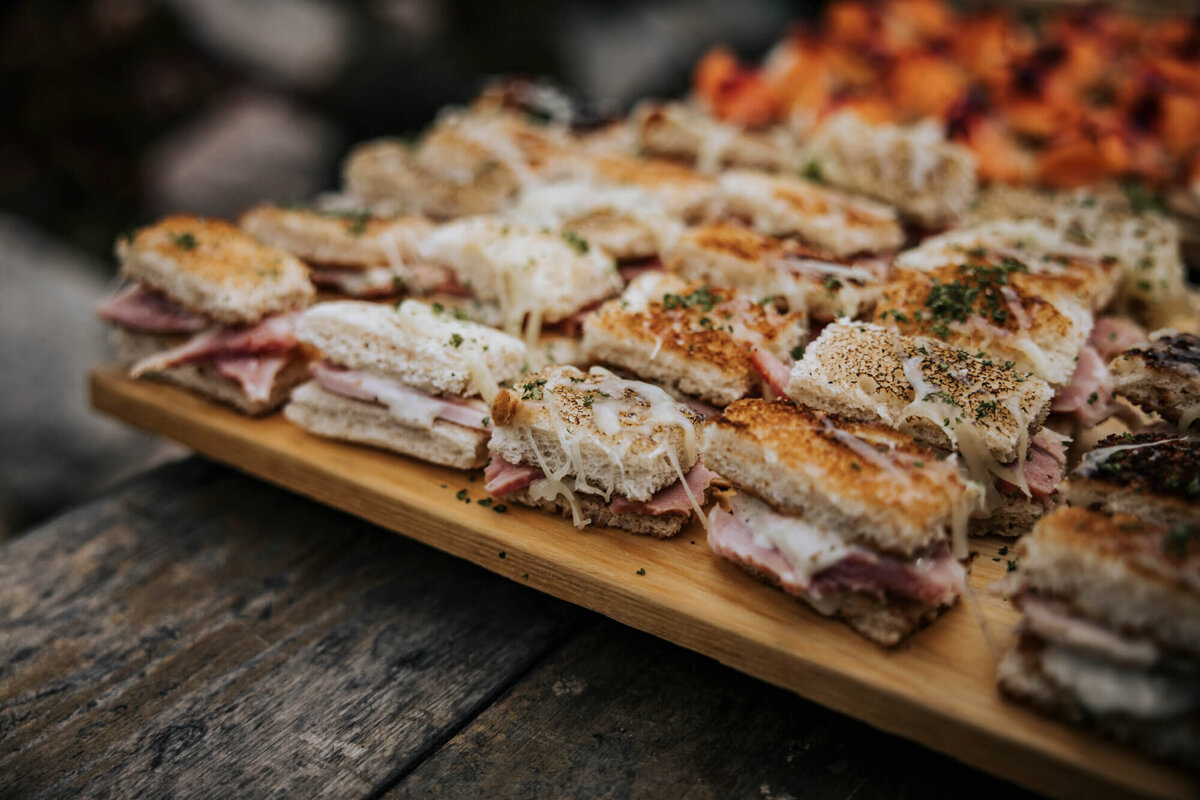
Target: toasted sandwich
860,521
1153,475
534,277
210,308
354,253
840,223
1162,377
598,448
1110,633
915,168
407,379
684,193
947,398
710,343
792,275
684,133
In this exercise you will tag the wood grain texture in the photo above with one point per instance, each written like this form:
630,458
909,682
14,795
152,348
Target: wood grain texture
200,633
938,689
619,714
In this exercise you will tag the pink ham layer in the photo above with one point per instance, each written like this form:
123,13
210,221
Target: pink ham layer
861,570
503,478
385,391
1043,468
141,309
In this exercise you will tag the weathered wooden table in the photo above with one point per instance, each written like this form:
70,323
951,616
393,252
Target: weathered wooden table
197,633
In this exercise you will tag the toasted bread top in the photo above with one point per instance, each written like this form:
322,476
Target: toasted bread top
216,269
1153,464
850,466
343,239
806,199
1167,557
1176,353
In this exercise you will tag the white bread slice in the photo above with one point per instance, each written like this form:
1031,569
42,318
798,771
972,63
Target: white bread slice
346,240
660,526
863,371
1155,476
413,343
690,337
1014,316
912,167
529,272
334,416
213,268
724,254
1128,574
1163,377
838,222
614,435
870,484
202,378
678,131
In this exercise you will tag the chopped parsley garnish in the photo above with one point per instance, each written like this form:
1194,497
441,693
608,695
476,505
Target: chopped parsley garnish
577,242
500,508
797,352
503,554
984,408
461,494
533,389
1092,398
1011,565
1142,199
486,421
812,171
184,241
641,571
702,298
438,308
456,340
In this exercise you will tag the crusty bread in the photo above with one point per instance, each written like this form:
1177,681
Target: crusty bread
679,335
327,414
202,378
883,620
1021,677
620,436
1072,268
871,484
1014,517
841,223
346,240
1155,476
858,370
525,270
913,167
1014,316
724,254
684,193
413,343
1163,377
213,268
660,526
1130,575
678,131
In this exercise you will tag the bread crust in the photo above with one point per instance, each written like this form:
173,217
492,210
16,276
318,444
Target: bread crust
339,240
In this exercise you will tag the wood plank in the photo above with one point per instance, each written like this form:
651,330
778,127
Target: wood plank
617,713
938,689
198,629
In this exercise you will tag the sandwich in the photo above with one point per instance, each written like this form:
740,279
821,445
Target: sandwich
353,253
601,449
947,398
407,379
928,178
684,133
469,162
211,309
629,223
1162,377
795,276
840,223
685,194
860,521
709,343
530,276
1154,475
1110,632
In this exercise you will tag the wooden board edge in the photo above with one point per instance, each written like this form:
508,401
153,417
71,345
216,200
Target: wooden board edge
1006,757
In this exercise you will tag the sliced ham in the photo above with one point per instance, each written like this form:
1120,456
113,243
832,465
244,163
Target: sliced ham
699,406
503,477
142,309
671,500
936,579
774,372
1089,396
273,336
1112,336
255,374
377,282
1054,621
409,405
631,270
1043,467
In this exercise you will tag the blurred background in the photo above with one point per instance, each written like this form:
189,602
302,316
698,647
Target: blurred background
118,111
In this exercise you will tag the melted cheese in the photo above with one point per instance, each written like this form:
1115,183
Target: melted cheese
553,206
1105,688
808,549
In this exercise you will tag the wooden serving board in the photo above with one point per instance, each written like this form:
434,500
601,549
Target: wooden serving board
937,689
